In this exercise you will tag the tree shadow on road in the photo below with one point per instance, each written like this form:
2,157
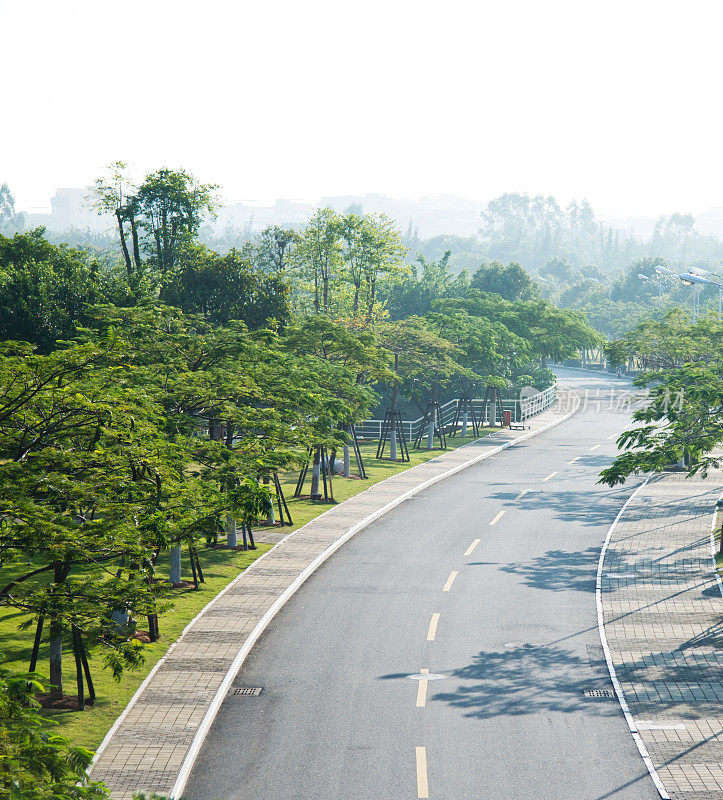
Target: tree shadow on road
559,570
527,679
588,508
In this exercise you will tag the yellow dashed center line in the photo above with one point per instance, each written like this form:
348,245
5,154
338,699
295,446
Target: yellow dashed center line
577,458
422,690
468,551
522,494
614,436
452,575
498,517
422,783
432,632
594,447
551,475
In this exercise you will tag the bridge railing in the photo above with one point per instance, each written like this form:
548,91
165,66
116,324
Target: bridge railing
521,410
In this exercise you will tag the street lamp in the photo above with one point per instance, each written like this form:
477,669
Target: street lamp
697,281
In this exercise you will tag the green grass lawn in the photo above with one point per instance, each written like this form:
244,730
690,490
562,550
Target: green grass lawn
219,566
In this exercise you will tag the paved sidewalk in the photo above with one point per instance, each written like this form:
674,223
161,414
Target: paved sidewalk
663,616
146,748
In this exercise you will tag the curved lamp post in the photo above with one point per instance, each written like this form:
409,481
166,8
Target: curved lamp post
695,277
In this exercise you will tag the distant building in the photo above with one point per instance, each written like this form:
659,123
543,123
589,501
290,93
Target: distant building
69,209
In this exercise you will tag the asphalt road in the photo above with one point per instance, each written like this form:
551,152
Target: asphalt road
516,644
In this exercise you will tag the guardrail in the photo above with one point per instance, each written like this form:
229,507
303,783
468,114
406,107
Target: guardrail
521,410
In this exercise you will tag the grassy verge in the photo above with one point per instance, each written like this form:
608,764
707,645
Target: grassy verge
220,567
303,511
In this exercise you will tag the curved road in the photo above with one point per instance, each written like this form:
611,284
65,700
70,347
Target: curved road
509,624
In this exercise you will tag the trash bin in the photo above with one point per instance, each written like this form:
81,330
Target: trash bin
507,419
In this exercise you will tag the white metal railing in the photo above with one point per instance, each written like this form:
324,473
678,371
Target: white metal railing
521,410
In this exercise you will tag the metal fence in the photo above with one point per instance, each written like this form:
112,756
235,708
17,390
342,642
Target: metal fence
521,410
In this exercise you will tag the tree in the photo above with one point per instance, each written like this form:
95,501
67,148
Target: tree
115,194
81,483
171,206
510,282
274,250
164,214
10,221
35,762
226,288
417,292
45,290
682,418
317,256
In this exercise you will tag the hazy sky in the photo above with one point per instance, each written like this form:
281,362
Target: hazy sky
619,102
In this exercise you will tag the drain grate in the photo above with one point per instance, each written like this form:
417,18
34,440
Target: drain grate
247,691
600,694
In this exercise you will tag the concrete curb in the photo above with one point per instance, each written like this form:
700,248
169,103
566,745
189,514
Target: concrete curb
606,650
205,725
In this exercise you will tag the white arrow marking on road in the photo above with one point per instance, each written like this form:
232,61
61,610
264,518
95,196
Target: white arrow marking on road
432,632
452,575
422,783
468,551
498,517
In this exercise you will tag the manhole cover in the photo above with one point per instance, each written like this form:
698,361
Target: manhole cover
247,690
600,694
426,676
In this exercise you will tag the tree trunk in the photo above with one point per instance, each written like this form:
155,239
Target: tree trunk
430,434
465,421
56,661
124,246
270,517
231,537
315,475
347,462
393,408
136,248
175,577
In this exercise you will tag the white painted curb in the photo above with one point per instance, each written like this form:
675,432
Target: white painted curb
262,624
608,658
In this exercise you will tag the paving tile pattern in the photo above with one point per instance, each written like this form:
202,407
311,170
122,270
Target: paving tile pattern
663,616
147,749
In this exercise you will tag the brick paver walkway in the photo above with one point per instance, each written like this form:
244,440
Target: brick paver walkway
663,617
148,745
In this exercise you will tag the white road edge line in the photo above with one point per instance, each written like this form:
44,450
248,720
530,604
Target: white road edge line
282,599
498,517
642,749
